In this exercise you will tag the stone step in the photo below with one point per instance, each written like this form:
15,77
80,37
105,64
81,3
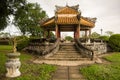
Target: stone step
67,46
67,59
66,56
67,51
65,63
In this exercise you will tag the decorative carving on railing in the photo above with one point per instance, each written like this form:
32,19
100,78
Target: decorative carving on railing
85,52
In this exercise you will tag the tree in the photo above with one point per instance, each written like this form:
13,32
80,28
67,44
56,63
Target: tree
109,33
7,8
69,38
105,38
95,35
27,19
114,42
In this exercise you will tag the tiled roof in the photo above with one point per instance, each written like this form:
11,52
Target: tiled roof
67,20
67,10
62,20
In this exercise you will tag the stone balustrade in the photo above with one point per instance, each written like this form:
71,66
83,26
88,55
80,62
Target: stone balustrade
97,47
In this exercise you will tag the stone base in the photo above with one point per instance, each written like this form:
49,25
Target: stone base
15,74
12,66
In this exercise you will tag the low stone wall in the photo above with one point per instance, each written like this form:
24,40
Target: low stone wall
98,48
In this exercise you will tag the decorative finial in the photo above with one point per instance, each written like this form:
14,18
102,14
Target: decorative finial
67,4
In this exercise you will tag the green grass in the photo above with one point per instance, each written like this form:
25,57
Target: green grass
113,57
29,70
104,71
5,47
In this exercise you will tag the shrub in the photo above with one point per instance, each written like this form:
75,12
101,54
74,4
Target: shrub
4,41
69,38
104,38
22,42
114,42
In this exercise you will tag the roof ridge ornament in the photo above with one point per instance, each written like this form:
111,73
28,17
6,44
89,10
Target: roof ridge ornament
67,4
76,7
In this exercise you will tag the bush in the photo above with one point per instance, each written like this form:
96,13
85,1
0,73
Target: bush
104,38
69,38
114,42
22,42
4,41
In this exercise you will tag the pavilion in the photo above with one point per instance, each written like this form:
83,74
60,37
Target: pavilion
69,18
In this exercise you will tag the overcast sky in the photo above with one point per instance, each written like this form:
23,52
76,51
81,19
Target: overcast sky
107,12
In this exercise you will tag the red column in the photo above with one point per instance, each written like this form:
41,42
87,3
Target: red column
57,31
74,32
78,31
59,35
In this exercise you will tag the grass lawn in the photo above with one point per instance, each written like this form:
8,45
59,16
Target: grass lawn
5,47
104,71
29,70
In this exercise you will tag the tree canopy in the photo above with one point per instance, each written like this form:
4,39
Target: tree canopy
95,35
69,38
7,8
109,33
27,19
26,16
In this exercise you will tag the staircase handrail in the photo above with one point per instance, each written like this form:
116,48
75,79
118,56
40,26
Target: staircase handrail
50,49
87,52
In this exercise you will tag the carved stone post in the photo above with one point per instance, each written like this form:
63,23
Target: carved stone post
85,33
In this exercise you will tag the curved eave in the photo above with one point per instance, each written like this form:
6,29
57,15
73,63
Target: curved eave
83,22
86,23
50,22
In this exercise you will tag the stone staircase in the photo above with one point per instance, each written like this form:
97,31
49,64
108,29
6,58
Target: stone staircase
66,56
66,52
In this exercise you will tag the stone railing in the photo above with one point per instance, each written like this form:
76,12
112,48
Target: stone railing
49,51
85,52
39,46
97,47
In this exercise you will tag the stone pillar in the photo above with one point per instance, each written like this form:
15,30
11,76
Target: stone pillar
44,34
85,33
48,31
89,33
